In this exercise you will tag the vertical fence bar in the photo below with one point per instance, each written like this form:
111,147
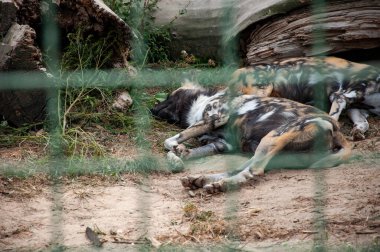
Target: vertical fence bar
320,98
51,40
229,59
141,116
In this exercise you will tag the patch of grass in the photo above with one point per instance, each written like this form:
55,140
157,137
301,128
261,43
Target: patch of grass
78,166
153,42
86,111
85,51
86,116
11,136
204,223
76,141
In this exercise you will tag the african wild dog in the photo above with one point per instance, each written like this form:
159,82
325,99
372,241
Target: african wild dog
265,126
347,84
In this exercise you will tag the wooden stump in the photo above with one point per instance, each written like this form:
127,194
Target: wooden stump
19,52
346,25
8,10
20,29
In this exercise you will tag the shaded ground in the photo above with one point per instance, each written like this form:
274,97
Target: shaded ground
280,209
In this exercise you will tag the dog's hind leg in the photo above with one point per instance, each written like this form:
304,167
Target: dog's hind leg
267,148
216,147
359,118
334,149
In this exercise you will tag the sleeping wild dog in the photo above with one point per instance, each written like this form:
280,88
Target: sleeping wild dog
267,127
347,85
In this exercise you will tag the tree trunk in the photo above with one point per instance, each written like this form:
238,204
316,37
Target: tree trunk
199,26
345,25
19,52
20,30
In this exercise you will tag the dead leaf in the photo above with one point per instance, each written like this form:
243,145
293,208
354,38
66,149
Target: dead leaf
93,237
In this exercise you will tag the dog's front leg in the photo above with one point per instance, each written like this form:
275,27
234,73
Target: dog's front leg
213,148
175,149
195,130
338,104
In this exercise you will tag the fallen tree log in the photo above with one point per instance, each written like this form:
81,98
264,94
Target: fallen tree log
199,26
344,25
18,51
8,10
97,19
21,33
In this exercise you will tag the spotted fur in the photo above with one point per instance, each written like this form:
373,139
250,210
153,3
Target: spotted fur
344,84
264,126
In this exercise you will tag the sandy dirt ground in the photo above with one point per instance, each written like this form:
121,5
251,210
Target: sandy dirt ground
285,210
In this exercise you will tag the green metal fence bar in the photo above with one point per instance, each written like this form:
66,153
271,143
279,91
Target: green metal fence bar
229,59
141,119
51,40
318,10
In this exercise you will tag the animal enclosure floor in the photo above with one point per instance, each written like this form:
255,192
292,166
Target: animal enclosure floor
279,209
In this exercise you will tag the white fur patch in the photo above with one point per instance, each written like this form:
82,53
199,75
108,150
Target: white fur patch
288,114
197,108
187,84
358,117
340,77
315,78
265,116
351,94
248,106
298,75
373,100
323,123
171,142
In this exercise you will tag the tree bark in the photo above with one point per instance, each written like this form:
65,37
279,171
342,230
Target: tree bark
344,26
20,30
8,10
18,51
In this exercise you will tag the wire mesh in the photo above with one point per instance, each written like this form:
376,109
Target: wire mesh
58,162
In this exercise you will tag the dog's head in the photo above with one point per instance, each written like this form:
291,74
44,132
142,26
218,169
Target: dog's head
257,80
177,105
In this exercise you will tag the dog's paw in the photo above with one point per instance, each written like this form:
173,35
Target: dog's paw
223,185
229,183
357,134
175,163
216,187
200,181
194,182
171,143
181,151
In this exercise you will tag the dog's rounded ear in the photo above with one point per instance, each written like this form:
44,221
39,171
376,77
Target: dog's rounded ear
238,81
188,84
243,82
